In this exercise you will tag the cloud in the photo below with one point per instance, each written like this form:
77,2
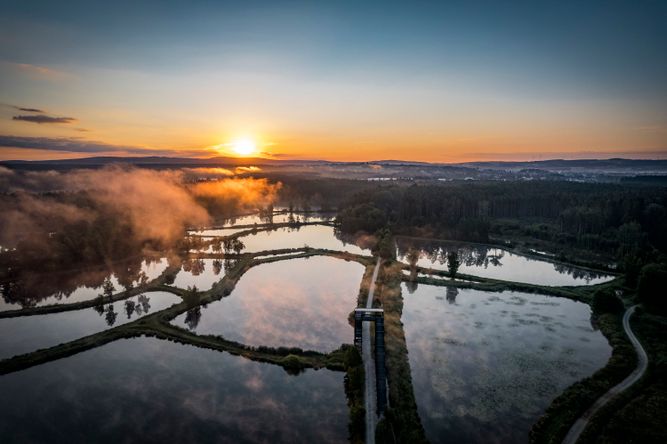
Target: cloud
30,110
42,118
80,145
74,145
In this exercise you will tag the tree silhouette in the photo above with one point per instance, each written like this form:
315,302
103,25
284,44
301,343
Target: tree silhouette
110,315
108,288
453,263
217,266
192,318
129,308
452,292
144,301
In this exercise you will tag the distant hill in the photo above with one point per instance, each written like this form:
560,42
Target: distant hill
154,161
553,169
590,164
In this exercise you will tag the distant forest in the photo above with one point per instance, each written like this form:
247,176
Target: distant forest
599,223
625,222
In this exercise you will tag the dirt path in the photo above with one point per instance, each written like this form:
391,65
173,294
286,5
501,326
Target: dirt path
579,426
369,365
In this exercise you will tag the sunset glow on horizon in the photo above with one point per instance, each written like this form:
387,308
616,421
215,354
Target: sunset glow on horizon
343,82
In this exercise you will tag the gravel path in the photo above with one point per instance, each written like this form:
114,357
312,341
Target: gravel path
579,426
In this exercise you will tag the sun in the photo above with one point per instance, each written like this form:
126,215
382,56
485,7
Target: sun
243,147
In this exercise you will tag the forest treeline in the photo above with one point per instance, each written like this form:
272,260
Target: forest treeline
621,221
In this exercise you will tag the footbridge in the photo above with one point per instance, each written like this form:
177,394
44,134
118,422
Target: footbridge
375,315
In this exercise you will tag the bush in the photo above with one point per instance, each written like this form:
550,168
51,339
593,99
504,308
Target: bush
292,362
605,301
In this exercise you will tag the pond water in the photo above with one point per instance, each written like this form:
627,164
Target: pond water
215,232
293,303
485,366
29,333
316,236
278,218
229,227
202,273
87,285
151,391
497,263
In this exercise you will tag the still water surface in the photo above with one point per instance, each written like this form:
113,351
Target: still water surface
496,263
485,366
29,333
86,285
151,391
200,273
294,303
315,236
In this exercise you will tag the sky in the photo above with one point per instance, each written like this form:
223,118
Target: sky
446,81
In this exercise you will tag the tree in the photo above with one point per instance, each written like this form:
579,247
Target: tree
191,296
110,315
144,302
108,288
129,308
237,245
453,263
217,266
385,244
192,318
413,256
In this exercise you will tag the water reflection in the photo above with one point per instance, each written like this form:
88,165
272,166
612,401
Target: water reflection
229,227
278,218
151,391
32,288
495,263
30,333
294,303
201,273
485,366
315,236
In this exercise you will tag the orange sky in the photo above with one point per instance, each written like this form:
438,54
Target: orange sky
336,82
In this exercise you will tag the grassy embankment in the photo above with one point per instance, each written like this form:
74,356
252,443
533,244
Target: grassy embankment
157,324
576,399
354,372
565,409
639,414
578,293
156,284
401,423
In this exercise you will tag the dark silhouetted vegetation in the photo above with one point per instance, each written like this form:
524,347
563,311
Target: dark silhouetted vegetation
605,301
651,289
453,263
354,389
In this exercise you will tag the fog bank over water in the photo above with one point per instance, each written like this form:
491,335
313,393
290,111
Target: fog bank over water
138,199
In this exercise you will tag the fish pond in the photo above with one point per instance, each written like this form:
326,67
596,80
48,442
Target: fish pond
152,391
497,263
485,366
301,303
25,334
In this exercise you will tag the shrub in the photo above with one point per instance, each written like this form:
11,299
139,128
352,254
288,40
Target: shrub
605,301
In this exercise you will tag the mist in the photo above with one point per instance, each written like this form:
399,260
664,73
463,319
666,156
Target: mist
140,204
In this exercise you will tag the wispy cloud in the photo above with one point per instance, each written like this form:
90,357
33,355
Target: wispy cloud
79,145
30,110
73,145
43,118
